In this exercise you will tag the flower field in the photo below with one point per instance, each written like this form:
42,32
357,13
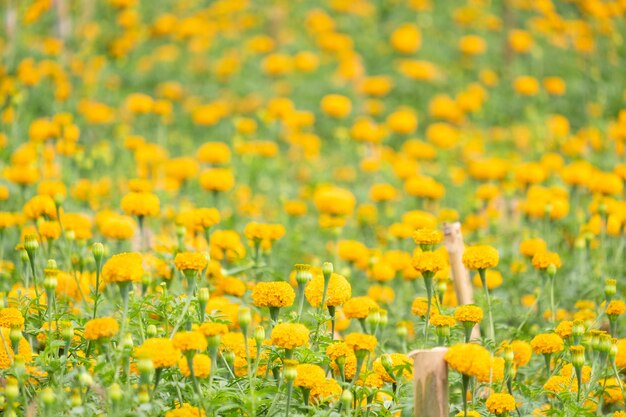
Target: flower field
250,208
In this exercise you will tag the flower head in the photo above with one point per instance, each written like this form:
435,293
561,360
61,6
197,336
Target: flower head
273,294
546,343
290,335
500,403
101,328
480,257
160,350
188,341
123,267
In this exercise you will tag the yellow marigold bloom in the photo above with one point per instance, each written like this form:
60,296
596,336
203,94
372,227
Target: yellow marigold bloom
334,201
11,317
564,329
383,192
226,245
186,341
359,307
441,320
264,234
542,260
214,153
403,121
472,45
186,410
429,261
419,307
308,376
529,247
500,403
141,204
101,328
568,371
190,261
290,335
526,85
620,358
160,350
616,308
546,343
467,358
273,294
468,314
338,350
201,366
492,277
397,360
337,106
470,413
427,236
7,355
522,352
217,179
338,292
199,219
612,393
492,370
40,206
123,267
359,342
406,38
213,329
328,390
480,257
381,294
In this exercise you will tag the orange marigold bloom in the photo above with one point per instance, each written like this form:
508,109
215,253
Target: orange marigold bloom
186,410
190,261
290,335
40,206
480,257
360,342
441,320
273,294
309,375
546,343
123,267
467,358
529,247
616,308
160,350
339,290
468,314
101,328
201,366
141,204
542,260
186,341
217,179
11,317
429,261
359,307
427,236
500,403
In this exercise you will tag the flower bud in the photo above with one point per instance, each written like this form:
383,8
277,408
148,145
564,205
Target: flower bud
51,265
48,396
58,199
259,335
578,356
214,341
70,235
290,373
509,355
442,331
595,339
24,256
143,396
613,351
203,295
373,318
67,331
85,379
229,357
127,342
98,251
347,398
303,273
31,244
15,335
11,390
245,316
551,270
605,343
578,329
610,288
327,270
180,231
384,318
145,365
115,392
387,363
402,331
151,330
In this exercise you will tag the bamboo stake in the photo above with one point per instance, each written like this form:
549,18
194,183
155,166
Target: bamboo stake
430,378
453,240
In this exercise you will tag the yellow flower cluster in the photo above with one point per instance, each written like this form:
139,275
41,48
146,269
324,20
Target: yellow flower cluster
468,358
123,267
160,350
190,261
361,342
338,292
468,314
187,341
101,328
546,343
500,403
290,335
480,257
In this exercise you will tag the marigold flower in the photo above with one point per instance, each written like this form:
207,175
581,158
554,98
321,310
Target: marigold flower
500,403
420,307
427,236
441,320
217,179
467,358
101,328
11,317
480,257
190,261
7,355
564,329
327,390
186,410
187,341
160,350
141,204
338,292
615,308
542,260
308,376
201,366
360,342
468,314
273,294
546,343
40,206
213,329
123,267
290,335
493,279
429,261
529,247
359,307
397,360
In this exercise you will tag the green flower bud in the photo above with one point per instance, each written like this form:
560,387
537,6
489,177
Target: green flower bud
31,244
245,316
98,251
203,295
151,330
48,396
115,392
327,270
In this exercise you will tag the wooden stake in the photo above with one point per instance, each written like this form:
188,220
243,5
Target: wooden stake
453,240
430,379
